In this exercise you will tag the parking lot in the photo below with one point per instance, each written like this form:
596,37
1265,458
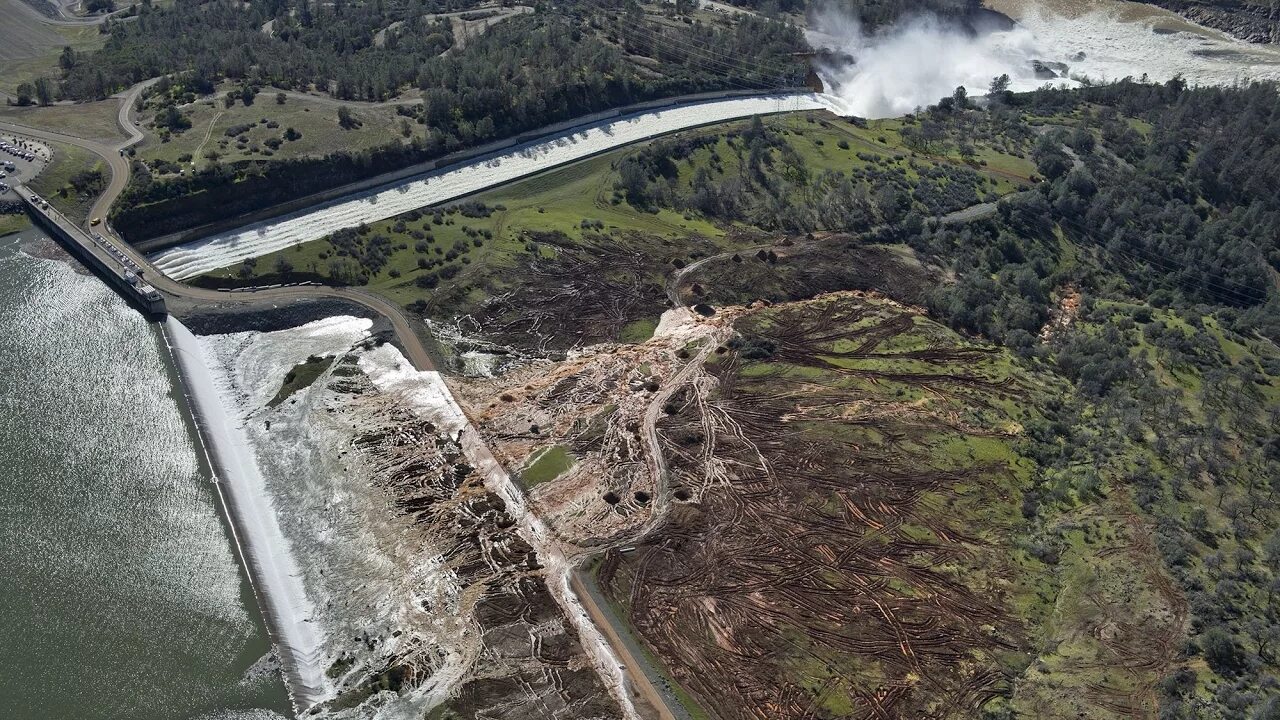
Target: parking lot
21,159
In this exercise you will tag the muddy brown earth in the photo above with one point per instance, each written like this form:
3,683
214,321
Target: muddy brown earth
807,505
578,292
827,568
832,530
802,267
510,652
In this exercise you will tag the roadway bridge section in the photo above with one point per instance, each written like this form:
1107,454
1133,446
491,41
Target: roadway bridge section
100,254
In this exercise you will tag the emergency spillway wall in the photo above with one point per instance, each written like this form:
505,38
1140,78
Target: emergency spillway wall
271,566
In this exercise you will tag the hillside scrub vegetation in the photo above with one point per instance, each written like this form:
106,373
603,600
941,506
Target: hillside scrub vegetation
527,72
1106,260
1137,282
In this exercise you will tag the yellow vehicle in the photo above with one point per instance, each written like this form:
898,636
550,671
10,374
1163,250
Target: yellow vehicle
95,221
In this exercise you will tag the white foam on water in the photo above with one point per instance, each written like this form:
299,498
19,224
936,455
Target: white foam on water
1119,39
228,248
263,546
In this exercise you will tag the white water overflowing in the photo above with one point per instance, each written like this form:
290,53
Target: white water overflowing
228,248
1111,40
275,574
375,587
920,60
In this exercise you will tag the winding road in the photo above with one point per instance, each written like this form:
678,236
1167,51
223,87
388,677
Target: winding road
182,296
408,340
64,17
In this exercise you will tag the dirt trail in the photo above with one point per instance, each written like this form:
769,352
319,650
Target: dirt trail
207,134
639,680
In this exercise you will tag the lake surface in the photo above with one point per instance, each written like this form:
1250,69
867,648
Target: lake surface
122,594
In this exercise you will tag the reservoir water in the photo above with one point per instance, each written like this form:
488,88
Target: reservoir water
122,594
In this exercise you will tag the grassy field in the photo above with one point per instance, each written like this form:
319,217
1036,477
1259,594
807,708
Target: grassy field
14,223
301,377
91,121
266,120
546,464
29,48
54,182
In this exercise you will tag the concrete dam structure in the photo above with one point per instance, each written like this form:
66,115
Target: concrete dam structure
99,254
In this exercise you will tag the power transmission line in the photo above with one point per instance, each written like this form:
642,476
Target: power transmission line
1251,294
704,62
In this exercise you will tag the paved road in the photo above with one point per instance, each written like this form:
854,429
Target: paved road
119,168
65,17
407,338
634,662
111,154
117,164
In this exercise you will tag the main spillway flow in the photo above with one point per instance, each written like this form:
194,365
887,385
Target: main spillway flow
272,568
224,249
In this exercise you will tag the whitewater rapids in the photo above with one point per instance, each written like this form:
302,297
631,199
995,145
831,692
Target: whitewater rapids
919,60
228,248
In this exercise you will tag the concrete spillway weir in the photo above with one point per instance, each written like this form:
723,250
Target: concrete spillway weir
276,578
99,254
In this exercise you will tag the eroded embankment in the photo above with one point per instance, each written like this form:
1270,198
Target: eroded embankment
811,509
425,581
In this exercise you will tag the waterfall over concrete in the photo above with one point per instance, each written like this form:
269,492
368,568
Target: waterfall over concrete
272,568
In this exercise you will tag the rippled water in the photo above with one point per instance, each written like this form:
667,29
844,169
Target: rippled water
122,594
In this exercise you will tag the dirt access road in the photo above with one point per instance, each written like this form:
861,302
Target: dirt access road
65,17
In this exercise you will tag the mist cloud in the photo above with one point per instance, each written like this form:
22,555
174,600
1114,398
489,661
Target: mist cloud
915,62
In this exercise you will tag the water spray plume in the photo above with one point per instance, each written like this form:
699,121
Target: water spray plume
915,62
919,60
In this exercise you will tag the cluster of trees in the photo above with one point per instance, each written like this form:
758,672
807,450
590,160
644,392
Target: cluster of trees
1205,226
372,51
885,12
1159,205
870,14
303,44
151,207
1201,465
41,92
526,72
773,188
1006,267
1158,208
1178,226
